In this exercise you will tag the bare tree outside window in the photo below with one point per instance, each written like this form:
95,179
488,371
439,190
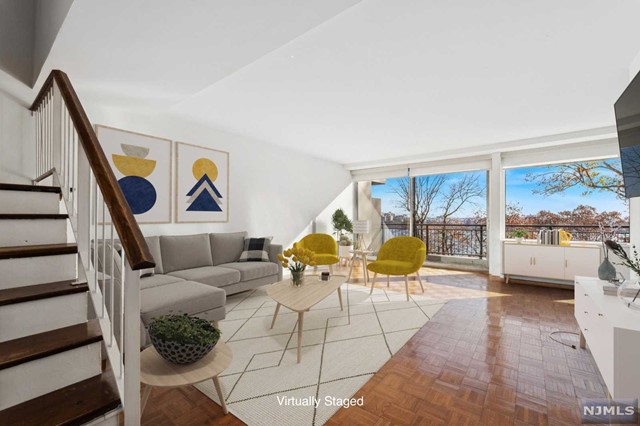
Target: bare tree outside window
427,189
602,175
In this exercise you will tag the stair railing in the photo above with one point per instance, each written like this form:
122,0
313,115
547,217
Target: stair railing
111,248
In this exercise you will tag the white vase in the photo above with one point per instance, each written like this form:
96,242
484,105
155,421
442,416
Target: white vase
344,251
629,295
519,240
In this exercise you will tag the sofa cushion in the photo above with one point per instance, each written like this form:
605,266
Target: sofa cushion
154,248
255,250
226,247
253,270
158,280
184,297
211,275
185,252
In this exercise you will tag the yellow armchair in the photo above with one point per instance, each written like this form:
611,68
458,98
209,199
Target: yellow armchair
399,256
324,246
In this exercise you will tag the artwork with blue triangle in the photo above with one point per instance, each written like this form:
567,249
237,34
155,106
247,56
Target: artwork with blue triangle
204,179
206,199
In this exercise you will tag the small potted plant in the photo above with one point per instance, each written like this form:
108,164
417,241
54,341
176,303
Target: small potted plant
519,235
182,339
344,246
297,259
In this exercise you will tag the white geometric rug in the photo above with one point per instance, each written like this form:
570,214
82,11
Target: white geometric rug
341,351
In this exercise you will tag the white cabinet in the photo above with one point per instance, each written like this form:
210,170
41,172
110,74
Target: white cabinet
552,262
518,260
581,261
612,333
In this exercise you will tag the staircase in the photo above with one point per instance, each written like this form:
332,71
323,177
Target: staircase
63,327
50,342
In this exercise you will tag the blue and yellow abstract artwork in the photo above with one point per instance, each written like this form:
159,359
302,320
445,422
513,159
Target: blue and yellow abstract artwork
204,196
139,192
142,165
203,182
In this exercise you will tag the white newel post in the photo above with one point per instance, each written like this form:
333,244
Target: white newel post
131,326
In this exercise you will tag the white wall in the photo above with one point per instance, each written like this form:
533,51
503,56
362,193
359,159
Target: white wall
16,38
273,191
48,18
17,154
343,201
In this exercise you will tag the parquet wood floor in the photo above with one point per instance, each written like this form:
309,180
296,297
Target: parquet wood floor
485,359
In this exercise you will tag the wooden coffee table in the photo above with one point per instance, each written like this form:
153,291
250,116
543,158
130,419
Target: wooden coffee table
155,371
301,299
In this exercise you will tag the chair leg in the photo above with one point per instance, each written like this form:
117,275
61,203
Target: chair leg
331,269
406,285
419,280
388,279
373,282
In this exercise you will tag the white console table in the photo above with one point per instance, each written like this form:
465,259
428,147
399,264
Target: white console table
529,259
612,333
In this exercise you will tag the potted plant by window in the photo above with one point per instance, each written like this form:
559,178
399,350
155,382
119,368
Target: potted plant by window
182,339
519,235
341,224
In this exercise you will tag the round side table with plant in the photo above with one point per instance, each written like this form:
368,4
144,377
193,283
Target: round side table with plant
182,339
297,259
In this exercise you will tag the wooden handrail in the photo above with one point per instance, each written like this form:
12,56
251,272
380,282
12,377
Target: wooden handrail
131,238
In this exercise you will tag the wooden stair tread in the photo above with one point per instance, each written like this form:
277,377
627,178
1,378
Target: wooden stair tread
71,405
30,188
29,348
41,291
38,250
6,216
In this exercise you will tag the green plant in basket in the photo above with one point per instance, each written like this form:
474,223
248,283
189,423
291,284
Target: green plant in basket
185,329
183,339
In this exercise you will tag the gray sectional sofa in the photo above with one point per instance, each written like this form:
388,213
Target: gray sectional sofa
195,273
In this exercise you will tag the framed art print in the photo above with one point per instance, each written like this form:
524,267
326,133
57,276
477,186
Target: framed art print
202,184
142,165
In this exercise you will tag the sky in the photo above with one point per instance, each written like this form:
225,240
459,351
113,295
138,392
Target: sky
521,191
518,191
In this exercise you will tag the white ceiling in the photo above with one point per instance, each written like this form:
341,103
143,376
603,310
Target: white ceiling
359,82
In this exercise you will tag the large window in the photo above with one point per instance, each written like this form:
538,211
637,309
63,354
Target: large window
584,198
447,211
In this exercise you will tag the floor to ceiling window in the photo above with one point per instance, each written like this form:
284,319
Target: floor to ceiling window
584,198
446,211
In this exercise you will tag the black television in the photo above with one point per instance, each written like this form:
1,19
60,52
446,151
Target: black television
627,109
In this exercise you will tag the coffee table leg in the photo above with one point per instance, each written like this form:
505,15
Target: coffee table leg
340,297
145,398
300,325
223,404
275,315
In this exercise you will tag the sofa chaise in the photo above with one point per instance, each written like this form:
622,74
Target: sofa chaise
194,274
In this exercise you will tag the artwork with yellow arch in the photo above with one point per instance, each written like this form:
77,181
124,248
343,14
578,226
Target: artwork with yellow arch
202,186
142,165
